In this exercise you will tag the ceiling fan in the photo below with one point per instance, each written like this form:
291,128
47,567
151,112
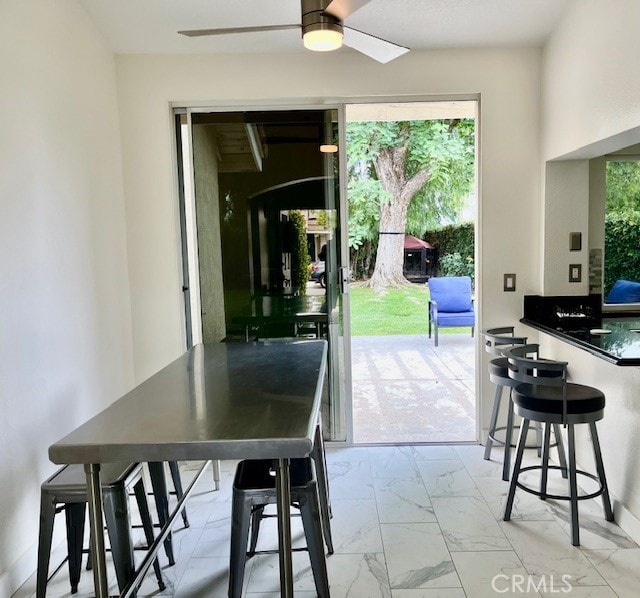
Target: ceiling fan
323,30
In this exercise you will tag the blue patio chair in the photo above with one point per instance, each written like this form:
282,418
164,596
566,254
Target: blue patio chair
450,304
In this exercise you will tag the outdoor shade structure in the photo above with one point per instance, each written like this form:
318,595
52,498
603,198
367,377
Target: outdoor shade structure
420,259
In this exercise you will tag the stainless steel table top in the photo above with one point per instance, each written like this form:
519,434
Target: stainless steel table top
217,401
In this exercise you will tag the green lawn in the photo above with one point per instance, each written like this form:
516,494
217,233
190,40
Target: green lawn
398,311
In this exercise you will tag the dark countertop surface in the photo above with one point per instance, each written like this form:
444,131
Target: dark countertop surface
620,346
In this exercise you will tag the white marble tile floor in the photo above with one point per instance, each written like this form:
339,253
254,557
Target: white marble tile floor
409,522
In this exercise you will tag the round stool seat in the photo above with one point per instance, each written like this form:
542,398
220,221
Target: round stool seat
548,399
499,367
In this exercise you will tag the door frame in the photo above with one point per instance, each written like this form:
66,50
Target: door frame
339,104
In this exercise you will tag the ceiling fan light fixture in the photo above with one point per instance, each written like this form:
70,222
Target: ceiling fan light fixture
323,39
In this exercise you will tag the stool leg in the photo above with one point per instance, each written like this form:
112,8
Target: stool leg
159,485
318,456
545,461
215,465
573,486
240,519
177,484
47,516
506,464
310,511
75,517
562,458
256,517
524,428
116,514
147,525
494,422
539,440
606,502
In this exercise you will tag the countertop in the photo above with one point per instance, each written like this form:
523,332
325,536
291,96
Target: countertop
217,401
621,345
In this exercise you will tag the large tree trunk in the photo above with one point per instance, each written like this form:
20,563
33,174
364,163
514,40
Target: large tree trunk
390,168
390,255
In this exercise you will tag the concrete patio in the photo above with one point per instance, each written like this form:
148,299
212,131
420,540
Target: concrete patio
405,390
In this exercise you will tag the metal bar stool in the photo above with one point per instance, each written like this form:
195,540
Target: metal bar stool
496,342
161,497
545,396
253,489
66,490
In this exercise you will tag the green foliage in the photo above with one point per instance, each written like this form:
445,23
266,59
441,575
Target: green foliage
622,223
445,147
322,219
623,186
300,261
621,247
453,264
362,259
459,238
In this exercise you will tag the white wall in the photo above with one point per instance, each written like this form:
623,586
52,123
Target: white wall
591,76
566,192
508,81
591,105
65,315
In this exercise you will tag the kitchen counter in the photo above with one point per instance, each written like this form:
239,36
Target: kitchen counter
621,345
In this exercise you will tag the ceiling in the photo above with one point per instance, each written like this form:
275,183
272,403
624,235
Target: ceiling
150,26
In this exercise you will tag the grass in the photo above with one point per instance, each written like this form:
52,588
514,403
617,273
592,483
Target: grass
398,311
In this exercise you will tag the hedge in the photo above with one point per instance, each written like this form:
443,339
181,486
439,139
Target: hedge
300,260
457,238
622,248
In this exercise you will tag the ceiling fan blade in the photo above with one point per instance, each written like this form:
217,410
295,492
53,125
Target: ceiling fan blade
225,31
375,47
343,8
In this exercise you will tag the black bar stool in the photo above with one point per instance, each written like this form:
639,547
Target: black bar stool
161,497
66,490
496,342
253,489
545,396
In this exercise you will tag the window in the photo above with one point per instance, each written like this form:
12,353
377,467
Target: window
622,229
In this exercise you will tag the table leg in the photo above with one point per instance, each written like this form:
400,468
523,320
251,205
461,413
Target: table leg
94,497
215,465
283,491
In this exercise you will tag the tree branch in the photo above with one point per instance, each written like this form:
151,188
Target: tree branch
416,182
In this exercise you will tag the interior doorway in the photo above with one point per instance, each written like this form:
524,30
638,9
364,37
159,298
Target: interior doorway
412,195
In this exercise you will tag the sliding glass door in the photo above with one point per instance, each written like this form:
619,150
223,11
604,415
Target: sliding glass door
259,193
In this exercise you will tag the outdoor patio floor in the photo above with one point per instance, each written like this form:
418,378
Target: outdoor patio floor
406,390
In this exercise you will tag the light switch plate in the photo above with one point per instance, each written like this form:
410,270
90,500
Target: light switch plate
509,283
575,272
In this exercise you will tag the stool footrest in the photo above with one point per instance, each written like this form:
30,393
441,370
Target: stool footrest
250,554
502,442
560,496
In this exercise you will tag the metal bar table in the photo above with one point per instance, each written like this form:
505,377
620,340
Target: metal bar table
217,401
